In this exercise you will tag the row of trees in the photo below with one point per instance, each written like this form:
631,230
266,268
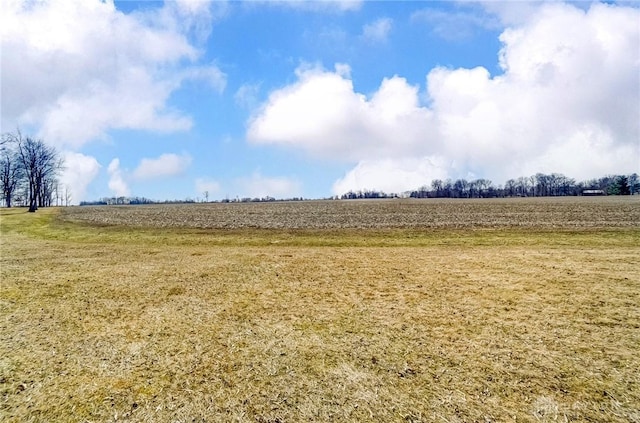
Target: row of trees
109,201
539,185
29,170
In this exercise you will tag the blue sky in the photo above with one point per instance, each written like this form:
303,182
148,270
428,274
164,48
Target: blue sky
168,100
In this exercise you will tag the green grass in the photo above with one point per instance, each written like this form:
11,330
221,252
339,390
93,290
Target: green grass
114,323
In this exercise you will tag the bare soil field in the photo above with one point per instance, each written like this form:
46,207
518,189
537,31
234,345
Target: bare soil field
233,313
566,212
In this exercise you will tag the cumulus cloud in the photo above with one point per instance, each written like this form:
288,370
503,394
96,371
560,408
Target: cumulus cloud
391,175
378,30
75,69
79,171
323,114
117,183
568,101
165,165
260,186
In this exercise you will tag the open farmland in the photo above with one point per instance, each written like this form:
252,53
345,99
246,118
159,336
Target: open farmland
399,311
538,213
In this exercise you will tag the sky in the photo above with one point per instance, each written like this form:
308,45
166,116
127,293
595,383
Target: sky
191,99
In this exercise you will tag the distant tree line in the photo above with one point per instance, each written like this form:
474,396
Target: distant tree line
538,185
366,194
29,171
266,199
108,201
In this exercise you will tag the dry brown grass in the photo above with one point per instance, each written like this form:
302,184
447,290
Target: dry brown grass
179,325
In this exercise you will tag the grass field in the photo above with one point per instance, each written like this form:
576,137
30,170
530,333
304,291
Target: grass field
394,311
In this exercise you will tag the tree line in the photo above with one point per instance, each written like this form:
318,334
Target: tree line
538,185
29,171
132,201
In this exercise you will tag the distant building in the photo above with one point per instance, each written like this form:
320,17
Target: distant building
592,192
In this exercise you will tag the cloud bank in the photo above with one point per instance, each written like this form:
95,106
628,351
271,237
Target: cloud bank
260,186
568,101
117,183
166,165
79,171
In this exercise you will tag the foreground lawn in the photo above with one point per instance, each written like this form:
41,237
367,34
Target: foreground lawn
102,323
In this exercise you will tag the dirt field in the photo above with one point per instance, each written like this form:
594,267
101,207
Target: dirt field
434,314
537,213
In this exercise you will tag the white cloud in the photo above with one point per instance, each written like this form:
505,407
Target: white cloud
75,69
165,165
211,75
377,31
196,15
343,70
392,176
322,114
568,101
79,171
512,13
210,186
247,96
117,183
260,186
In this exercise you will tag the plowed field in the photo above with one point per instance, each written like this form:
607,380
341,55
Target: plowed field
568,212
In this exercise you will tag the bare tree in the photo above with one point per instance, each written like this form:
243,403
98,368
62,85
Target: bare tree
634,184
483,186
67,196
437,185
10,171
41,165
510,188
461,186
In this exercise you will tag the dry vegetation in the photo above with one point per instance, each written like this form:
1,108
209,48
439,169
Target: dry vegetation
403,323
